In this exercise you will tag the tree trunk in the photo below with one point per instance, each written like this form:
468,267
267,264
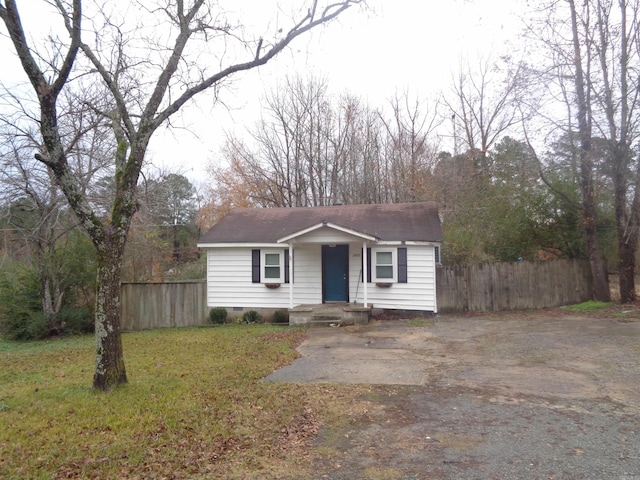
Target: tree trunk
132,131
51,304
628,245
110,370
50,295
601,291
599,274
176,244
627,257
598,267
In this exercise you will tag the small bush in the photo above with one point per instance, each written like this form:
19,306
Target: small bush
280,317
77,320
31,325
250,316
218,315
21,316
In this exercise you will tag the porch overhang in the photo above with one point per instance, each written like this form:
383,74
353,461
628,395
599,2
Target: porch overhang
342,235
349,231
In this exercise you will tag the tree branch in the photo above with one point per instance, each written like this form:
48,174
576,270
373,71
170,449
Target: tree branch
47,93
308,22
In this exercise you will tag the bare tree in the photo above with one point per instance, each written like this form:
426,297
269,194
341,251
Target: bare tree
313,149
483,104
595,51
598,267
566,74
35,209
296,143
136,107
366,168
616,116
296,154
303,142
28,181
409,149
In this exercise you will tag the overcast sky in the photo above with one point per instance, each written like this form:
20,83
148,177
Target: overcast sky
400,45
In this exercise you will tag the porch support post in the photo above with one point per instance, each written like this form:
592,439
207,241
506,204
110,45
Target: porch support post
291,275
365,273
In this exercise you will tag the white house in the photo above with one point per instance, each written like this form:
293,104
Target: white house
380,256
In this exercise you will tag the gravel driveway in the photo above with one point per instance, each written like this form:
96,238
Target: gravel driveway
545,395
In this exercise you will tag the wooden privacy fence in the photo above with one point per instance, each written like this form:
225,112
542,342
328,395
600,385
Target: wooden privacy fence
512,286
467,288
158,305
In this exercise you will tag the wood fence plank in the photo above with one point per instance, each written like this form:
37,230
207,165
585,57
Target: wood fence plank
462,288
163,305
512,286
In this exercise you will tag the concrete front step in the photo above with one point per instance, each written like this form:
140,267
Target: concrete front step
328,314
325,323
323,318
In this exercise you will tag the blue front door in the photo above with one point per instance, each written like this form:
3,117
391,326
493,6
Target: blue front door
335,270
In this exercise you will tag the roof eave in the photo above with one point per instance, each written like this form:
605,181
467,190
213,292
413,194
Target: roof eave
349,231
239,245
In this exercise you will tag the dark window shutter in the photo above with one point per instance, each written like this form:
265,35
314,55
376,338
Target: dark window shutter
286,265
255,266
402,265
368,265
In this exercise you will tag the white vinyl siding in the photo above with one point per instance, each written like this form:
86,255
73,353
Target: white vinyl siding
419,293
325,236
229,280
307,288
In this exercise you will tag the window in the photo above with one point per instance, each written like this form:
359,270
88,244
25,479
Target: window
387,265
384,266
436,254
270,266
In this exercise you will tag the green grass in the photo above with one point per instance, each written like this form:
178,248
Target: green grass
589,306
421,322
7,346
194,407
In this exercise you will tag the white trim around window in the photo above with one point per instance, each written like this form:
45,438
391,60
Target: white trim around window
272,262
384,265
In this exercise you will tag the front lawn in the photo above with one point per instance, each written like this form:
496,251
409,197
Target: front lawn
194,408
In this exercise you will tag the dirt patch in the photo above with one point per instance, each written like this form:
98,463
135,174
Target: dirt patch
548,395
426,433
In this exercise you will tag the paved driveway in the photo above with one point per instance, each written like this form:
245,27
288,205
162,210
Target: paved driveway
547,354
542,395
383,352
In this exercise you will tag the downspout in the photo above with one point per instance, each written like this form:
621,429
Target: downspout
290,275
365,273
435,282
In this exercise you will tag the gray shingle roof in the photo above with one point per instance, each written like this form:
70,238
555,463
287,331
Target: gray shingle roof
393,222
